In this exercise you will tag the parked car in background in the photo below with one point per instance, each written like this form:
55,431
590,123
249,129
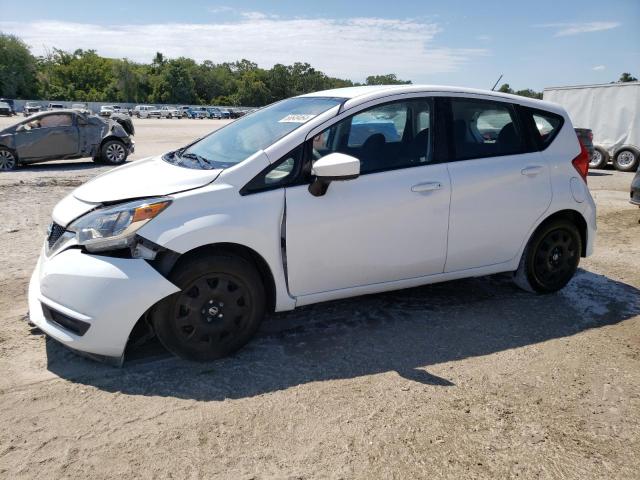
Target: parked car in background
585,135
195,241
63,134
142,111
214,112
635,189
55,106
5,109
236,112
198,112
183,109
612,112
11,103
165,111
82,108
226,114
31,107
106,110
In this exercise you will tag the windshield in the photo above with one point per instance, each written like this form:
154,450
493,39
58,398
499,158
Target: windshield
242,138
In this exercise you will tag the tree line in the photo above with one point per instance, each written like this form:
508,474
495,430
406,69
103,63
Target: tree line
85,76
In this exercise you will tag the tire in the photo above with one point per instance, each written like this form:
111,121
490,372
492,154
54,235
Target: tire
600,158
113,152
626,160
551,258
218,310
8,160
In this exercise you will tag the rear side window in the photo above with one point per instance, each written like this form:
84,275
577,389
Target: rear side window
484,128
546,126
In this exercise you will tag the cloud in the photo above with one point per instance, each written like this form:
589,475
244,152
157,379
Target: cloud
352,48
220,9
565,29
599,67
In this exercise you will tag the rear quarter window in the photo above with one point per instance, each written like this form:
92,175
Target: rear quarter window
544,126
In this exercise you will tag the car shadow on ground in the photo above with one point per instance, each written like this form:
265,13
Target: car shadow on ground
599,174
64,166
406,331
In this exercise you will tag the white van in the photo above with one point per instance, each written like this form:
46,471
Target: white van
323,196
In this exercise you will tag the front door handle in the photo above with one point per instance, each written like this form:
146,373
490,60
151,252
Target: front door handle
426,187
531,171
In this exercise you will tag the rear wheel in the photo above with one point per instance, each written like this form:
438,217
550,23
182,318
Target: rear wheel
8,160
626,160
113,152
219,308
599,159
551,258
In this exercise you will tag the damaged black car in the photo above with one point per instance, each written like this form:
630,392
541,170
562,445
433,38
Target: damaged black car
66,134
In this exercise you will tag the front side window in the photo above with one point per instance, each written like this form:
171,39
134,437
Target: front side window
50,121
484,128
385,137
238,140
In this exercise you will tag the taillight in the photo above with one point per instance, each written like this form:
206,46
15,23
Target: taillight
581,162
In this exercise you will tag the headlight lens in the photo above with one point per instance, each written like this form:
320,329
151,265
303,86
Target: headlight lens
114,227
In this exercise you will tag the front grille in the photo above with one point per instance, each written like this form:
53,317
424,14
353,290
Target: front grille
71,324
55,232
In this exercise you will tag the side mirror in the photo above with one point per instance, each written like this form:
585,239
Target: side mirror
335,166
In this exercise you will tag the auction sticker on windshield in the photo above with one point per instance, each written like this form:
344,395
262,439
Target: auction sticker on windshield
296,118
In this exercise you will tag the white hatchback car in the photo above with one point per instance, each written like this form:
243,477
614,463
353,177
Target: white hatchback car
323,196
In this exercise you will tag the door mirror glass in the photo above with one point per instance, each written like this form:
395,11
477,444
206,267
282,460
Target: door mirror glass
334,166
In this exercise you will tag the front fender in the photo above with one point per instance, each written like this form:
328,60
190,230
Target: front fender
218,214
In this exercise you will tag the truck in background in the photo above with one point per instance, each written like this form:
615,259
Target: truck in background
612,112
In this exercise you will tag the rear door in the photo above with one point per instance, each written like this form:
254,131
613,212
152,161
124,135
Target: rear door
500,183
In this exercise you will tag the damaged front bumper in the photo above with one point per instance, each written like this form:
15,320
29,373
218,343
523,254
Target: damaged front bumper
90,303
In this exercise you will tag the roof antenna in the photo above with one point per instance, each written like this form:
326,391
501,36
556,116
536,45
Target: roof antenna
495,84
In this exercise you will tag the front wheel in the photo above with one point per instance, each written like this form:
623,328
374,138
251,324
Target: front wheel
113,152
626,160
551,258
218,309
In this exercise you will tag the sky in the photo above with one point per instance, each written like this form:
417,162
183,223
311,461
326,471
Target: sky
453,42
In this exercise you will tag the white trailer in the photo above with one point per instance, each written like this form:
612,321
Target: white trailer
612,112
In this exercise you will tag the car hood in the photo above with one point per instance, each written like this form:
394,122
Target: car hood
143,178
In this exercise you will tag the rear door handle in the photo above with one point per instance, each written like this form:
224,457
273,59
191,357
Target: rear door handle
531,171
426,187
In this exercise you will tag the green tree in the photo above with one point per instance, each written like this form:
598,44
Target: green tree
627,77
388,79
17,68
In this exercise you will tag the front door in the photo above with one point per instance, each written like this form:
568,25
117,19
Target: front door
49,136
390,223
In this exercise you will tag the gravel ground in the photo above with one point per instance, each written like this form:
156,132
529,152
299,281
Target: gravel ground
466,379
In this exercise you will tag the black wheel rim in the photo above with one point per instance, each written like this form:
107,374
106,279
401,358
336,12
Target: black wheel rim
212,312
556,257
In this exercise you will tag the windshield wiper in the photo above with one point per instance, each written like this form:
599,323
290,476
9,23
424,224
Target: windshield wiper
203,162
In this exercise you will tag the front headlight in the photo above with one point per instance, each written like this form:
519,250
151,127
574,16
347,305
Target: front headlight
114,227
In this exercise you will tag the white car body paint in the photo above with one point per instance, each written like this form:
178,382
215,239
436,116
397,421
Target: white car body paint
381,231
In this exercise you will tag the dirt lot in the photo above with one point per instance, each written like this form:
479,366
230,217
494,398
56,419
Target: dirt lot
467,379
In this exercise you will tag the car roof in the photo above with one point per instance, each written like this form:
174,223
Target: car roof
358,95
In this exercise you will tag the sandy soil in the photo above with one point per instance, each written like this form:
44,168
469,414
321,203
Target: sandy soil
467,379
